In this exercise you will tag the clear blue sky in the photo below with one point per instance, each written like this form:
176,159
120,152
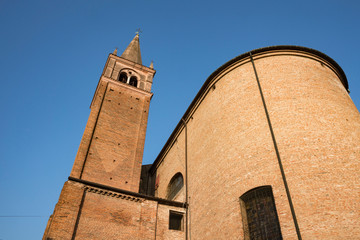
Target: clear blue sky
53,52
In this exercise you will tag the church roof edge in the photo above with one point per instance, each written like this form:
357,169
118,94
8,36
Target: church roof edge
229,63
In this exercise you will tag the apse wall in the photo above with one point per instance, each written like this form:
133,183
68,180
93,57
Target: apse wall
231,150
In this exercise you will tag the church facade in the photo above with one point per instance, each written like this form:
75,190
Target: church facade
268,149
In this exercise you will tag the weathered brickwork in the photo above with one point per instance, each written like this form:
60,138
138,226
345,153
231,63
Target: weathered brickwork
230,151
110,156
115,154
318,135
170,167
163,231
230,148
62,222
111,149
86,212
116,217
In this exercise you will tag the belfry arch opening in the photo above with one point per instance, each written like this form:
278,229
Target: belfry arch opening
123,77
133,81
260,219
175,185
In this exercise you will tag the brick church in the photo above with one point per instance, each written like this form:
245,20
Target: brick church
268,149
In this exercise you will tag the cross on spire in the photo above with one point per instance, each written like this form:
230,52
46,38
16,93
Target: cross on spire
138,31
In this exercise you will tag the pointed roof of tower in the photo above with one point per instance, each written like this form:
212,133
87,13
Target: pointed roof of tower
132,52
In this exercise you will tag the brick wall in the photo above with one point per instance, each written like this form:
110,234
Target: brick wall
87,212
112,146
230,149
170,167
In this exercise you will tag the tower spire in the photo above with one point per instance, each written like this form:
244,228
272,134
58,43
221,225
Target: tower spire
132,52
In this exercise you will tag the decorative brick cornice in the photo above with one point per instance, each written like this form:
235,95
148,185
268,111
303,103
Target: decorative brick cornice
110,191
112,194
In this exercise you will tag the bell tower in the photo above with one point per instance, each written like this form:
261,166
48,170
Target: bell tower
101,200
111,148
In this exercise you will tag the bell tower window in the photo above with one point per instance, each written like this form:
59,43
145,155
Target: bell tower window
128,77
133,81
123,77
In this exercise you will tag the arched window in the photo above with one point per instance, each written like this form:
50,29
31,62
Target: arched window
259,215
123,77
175,185
133,81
